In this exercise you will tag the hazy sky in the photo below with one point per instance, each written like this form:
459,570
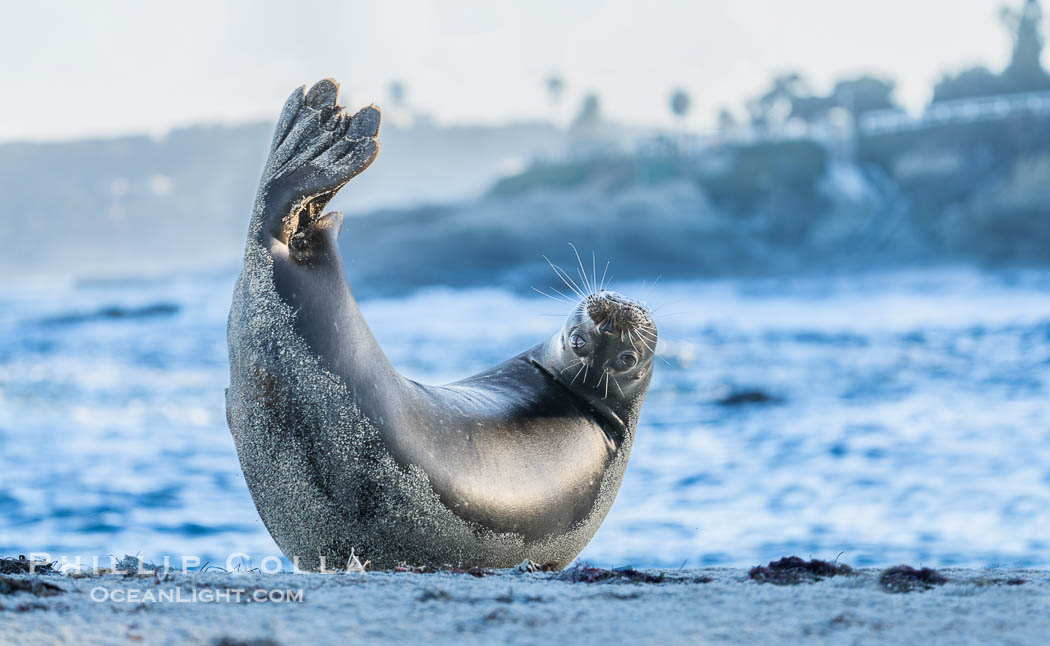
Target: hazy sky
103,67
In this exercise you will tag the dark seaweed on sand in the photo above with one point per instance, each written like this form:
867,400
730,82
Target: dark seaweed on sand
21,565
447,569
11,585
792,570
585,573
233,641
434,595
904,578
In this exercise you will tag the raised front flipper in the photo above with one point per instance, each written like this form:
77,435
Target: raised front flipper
317,148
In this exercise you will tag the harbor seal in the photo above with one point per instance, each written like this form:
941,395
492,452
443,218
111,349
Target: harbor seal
346,458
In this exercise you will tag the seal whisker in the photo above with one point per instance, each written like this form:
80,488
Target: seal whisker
572,365
615,381
606,271
578,374
582,271
650,348
579,290
607,377
649,291
565,278
646,329
649,343
558,272
559,300
594,270
570,283
560,293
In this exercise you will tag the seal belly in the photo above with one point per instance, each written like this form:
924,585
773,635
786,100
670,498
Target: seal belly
508,450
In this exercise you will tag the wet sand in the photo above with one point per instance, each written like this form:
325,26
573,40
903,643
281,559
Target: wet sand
697,606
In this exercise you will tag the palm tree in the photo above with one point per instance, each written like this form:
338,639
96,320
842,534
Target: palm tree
680,104
397,93
1025,72
555,87
726,121
774,106
588,121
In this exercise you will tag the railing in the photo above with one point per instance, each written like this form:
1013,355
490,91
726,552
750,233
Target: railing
986,108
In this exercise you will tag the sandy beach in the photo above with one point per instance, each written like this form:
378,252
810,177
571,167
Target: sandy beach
695,606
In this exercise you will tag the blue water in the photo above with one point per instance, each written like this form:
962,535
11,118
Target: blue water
908,421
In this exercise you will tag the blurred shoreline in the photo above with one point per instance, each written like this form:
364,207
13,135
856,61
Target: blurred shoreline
957,194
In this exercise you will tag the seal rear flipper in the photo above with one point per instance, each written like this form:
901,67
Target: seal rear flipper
317,148
289,112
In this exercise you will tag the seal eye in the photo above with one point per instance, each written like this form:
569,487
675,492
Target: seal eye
627,361
577,341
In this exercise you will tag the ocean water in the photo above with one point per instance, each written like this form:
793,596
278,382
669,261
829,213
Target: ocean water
889,417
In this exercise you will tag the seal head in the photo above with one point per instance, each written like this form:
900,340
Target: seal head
604,354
